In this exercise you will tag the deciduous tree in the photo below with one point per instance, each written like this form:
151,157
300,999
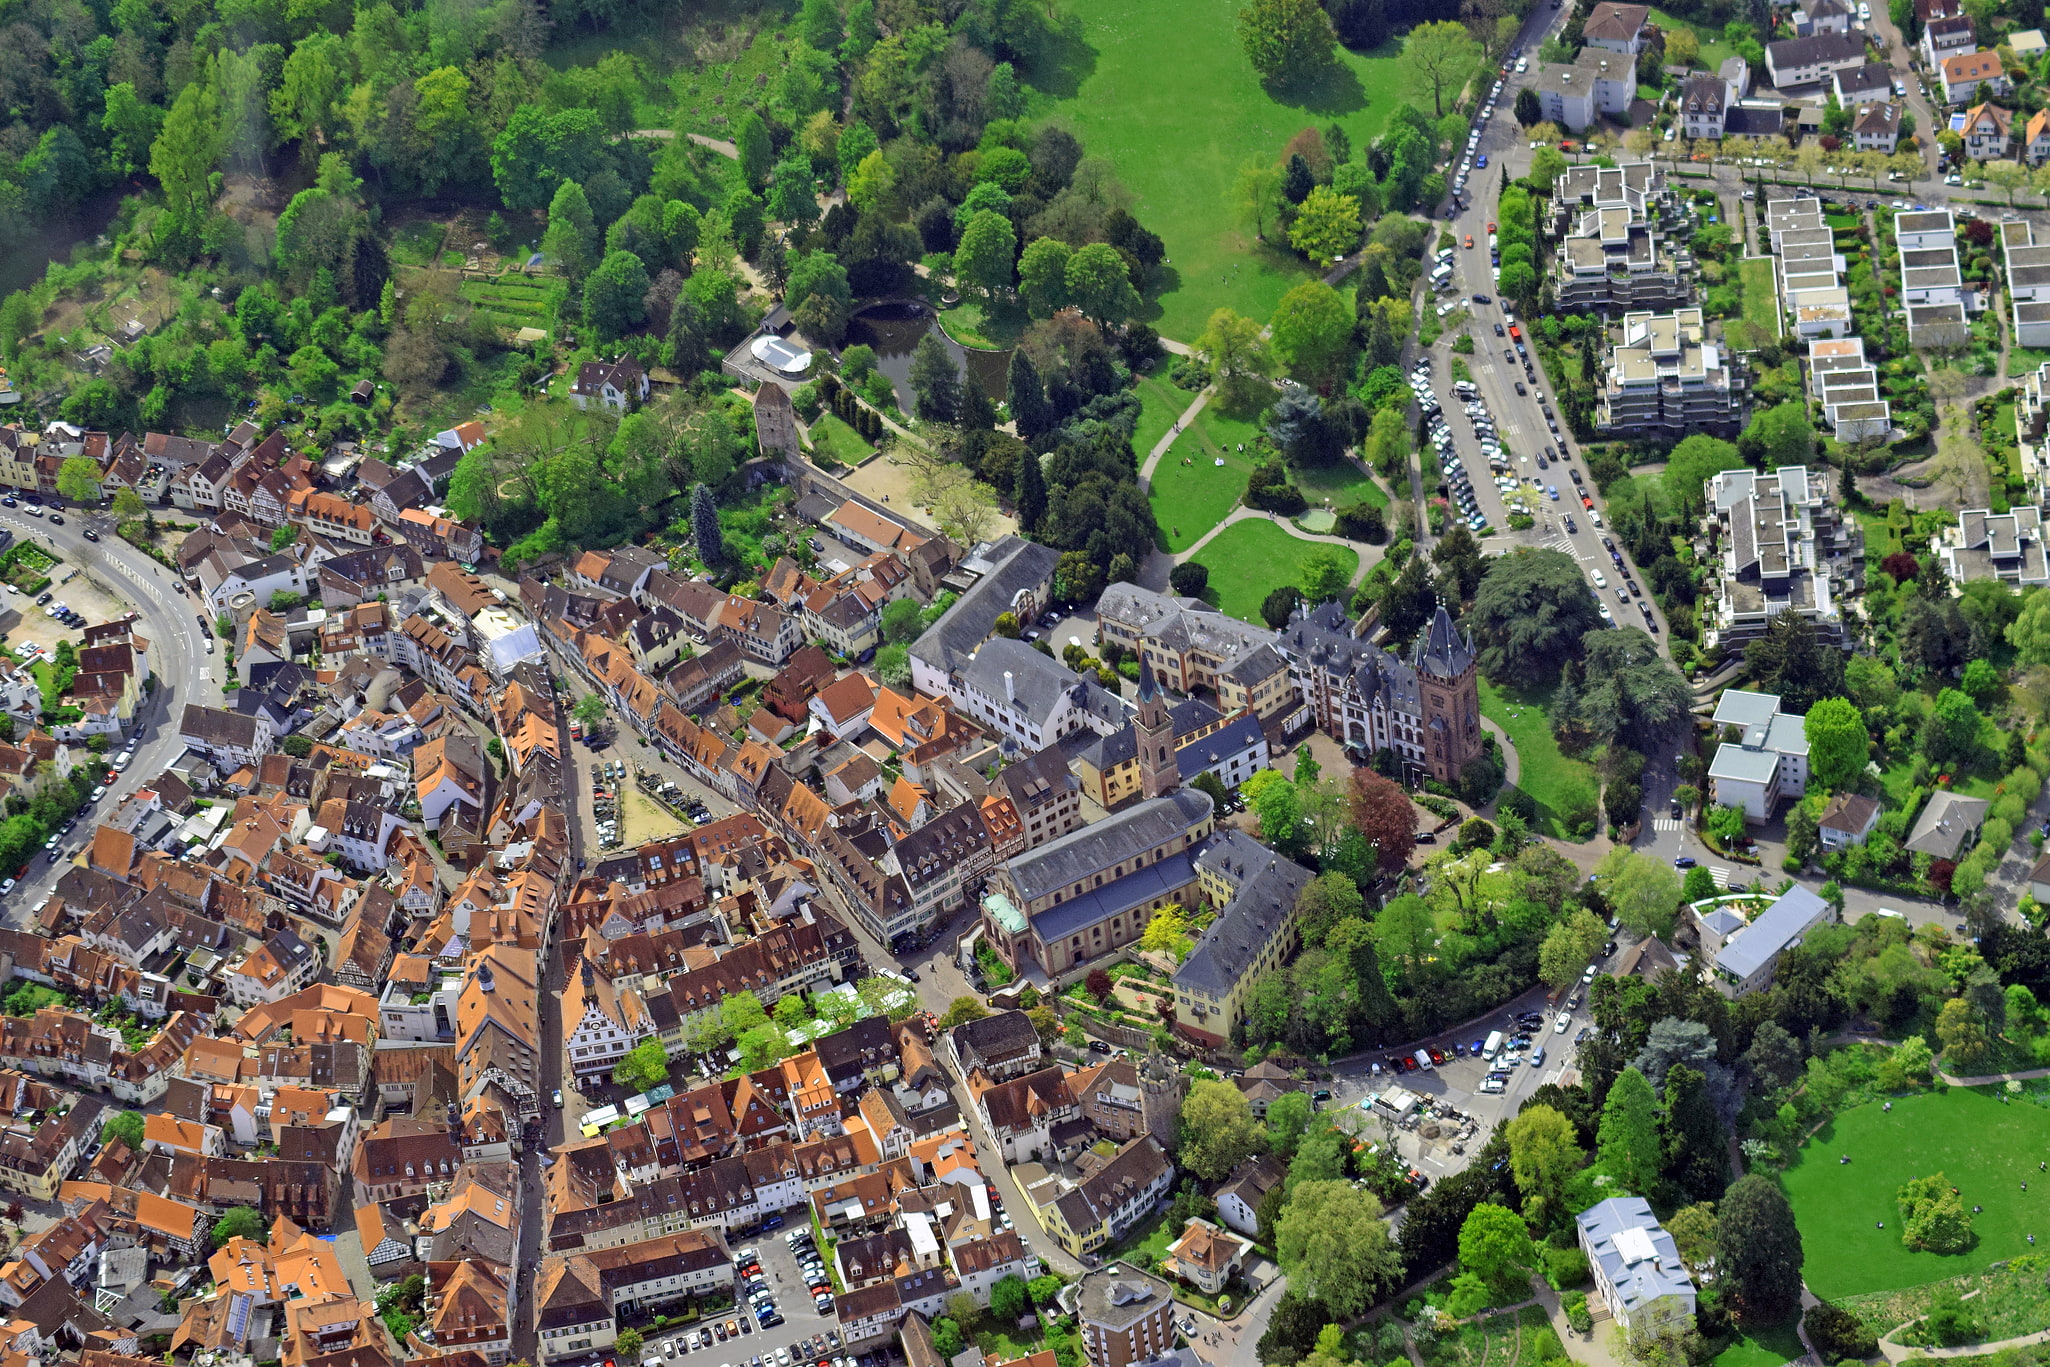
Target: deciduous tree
1312,331
984,257
1326,227
1287,41
1838,743
1495,1245
1383,813
1218,1129
1569,946
1642,890
1335,1248
1543,1155
1439,57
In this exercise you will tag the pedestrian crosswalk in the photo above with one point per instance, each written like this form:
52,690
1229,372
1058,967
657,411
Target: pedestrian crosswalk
1720,875
1666,823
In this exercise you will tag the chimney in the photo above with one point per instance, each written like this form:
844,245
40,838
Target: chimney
1010,686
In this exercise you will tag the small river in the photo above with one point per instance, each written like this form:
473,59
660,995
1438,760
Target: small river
894,331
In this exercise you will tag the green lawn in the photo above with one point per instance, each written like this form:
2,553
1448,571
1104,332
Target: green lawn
1342,482
1984,1148
1189,499
832,437
1761,300
973,323
1557,782
1766,1348
1165,91
2023,360
1714,47
1161,401
1249,560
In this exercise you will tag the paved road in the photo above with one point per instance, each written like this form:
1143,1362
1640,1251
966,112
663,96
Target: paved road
1528,423
186,673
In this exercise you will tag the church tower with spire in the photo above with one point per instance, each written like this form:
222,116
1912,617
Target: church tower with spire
1159,775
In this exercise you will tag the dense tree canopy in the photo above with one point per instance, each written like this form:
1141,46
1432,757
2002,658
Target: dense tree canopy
1530,614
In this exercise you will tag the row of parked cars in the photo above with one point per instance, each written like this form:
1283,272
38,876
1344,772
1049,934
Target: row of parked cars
1456,482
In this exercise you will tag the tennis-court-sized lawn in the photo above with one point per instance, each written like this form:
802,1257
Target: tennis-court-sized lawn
1250,559
834,439
1761,298
1191,492
1165,91
1558,783
1986,1149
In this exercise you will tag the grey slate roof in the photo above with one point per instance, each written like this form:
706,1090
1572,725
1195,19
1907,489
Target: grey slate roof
1768,936
1017,565
1443,651
1082,854
1611,1231
1162,878
1107,752
1037,683
1945,823
1267,886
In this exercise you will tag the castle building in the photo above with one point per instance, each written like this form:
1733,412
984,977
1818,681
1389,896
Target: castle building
1426,709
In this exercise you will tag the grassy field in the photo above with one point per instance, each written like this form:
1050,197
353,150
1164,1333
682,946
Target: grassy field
1557,782
1165,91
832,437
1189,499
1981,1145
1161,401
511,301
1249,560
1766,1348
1761,301
1342,483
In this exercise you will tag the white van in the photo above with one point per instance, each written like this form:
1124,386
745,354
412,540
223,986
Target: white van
1423,1059
1493,1046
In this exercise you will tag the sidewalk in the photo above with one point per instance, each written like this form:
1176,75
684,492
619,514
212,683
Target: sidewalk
1596,1347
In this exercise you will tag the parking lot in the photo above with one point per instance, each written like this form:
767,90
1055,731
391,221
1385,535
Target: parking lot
1456,1092
805,1337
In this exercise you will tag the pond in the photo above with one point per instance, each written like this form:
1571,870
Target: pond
894,331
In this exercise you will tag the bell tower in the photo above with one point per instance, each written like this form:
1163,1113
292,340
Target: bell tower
1159,775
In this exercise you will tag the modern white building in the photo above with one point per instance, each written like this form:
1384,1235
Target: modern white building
1666,378
1744,963
2028,277
1988,545
1599,82
1766,762
1782,546
1847,384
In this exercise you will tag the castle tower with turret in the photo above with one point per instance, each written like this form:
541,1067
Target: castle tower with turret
1448,682
1161,1087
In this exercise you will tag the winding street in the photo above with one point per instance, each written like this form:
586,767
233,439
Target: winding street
170,620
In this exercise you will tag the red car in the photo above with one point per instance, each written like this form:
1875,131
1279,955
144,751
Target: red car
1491,227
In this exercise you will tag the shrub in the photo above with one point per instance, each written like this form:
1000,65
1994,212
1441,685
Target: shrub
1838,1334
1574,1303
1189,579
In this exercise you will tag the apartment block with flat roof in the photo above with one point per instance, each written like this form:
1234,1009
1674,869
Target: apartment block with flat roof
1666,378
1782,546
1620,230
